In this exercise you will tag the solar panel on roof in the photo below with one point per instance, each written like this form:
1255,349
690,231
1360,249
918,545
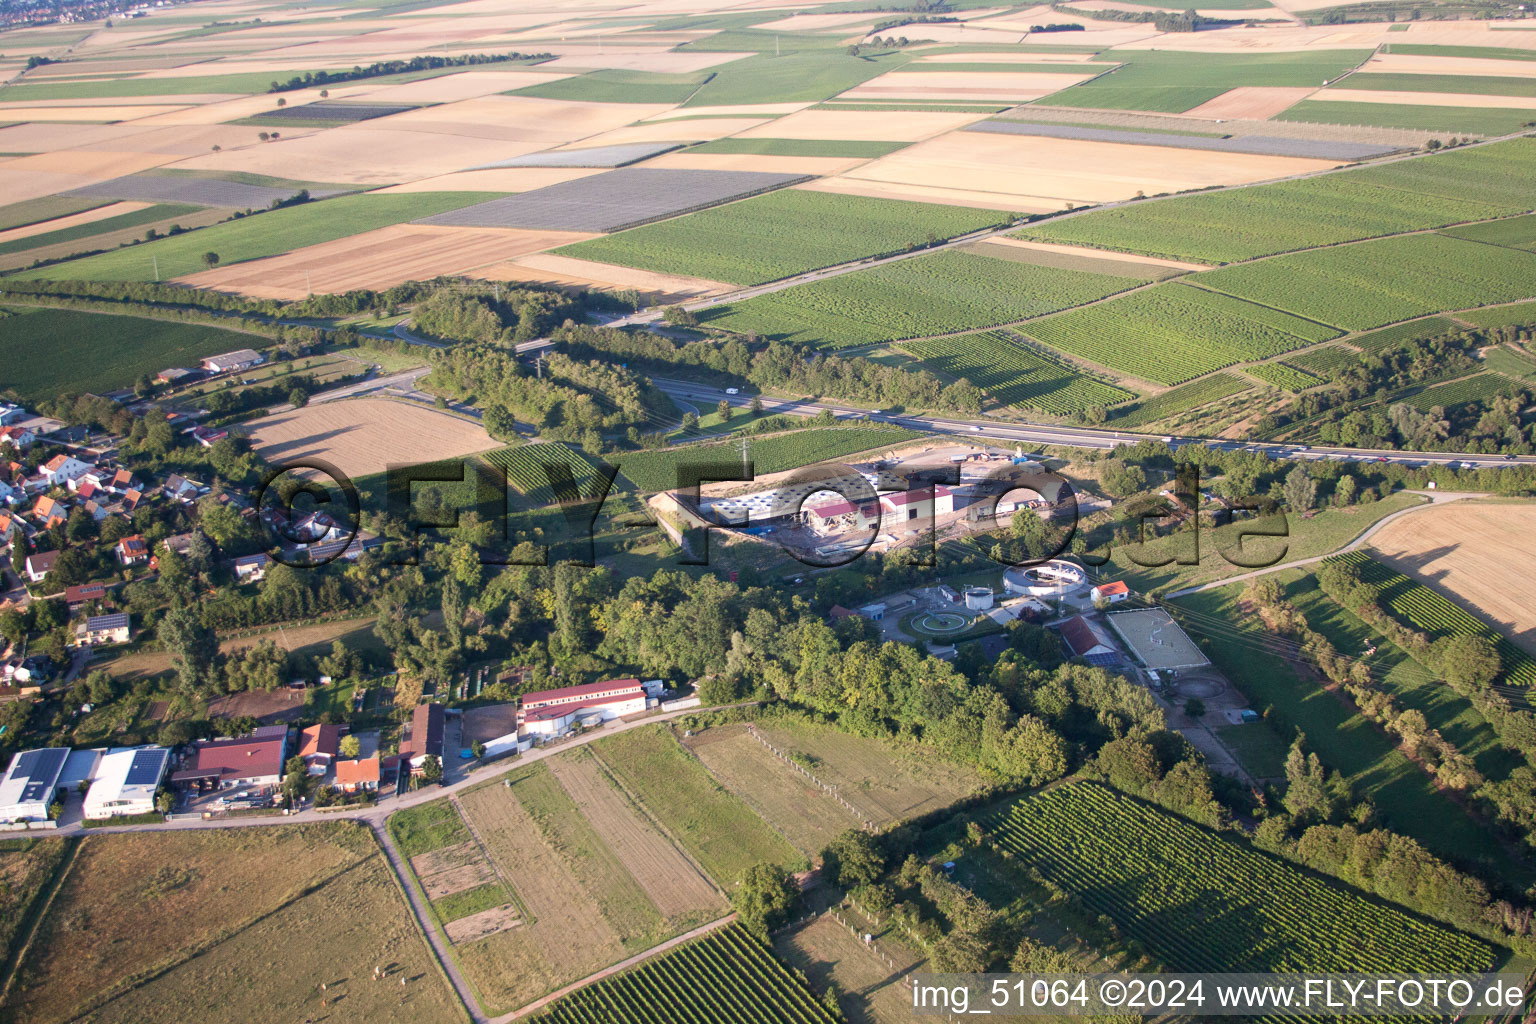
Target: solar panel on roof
145,770
40,768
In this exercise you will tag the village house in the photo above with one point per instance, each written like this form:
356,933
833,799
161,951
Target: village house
318,746
86,593
360,776
10,529
133,550
179,488
252,760
60,470
1111,593
49,512
251,568
21,437
104,629
1087,640
39,565
426,738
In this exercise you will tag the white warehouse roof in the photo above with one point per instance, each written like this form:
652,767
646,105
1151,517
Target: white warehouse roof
125,781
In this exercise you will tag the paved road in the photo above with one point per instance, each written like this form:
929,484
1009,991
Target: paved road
1435,498
405,380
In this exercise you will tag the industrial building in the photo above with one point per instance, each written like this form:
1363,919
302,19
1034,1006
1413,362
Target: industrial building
554,712
30,784
125,782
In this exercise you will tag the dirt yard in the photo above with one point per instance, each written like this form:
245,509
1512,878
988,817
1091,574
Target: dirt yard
364,436
1477,554
313,639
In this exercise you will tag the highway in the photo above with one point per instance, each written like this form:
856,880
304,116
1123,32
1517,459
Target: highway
703,396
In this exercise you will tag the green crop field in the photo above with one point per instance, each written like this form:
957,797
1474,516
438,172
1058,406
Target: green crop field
1487,85
1516,314
1399,334
1326,362
1485,52
657,470
1172,332
801,147
1156,876
1481,121
1282,376
941,293
263,234
35,211
791,78
1372,284
1519,232
1509,362
1173,82
49,352
781,234
728,975
250,82
1014,374
722,833
619,85
1188,396
1239,224
525,469
1422,608
148,215
1476,388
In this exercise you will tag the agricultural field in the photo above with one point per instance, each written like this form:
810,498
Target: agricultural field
1477,388
1288,378
1326,362
656,470
726,975
1154,874
1508,361
49,352
36,211
746,242
148,927
1013,374
1371,284
1420,607
1172,332
797,808
792,78
1481,121
942,293
28,866
1240,224
364,436
870,989
855,148
1516,232
1181,399
525,469
1475,553
264,234
1173,82
91,228
887,782
1400,334
1518,314
714,826
620,85
1487,85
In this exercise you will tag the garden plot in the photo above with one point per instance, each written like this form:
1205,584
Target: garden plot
166,188
378,260
364,436
615,200
1260,145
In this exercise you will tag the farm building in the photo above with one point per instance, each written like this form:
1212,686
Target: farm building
426,738
358,776
553,712
1087,640
239,359
1113,593
124,782
30,784
104,629
253,760
318,746
1156,640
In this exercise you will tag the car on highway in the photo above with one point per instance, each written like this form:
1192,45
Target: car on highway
975,428
733,391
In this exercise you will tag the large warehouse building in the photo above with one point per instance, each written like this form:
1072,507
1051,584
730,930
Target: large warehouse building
125,782
30,784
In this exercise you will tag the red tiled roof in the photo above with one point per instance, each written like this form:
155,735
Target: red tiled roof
533,700
320,739
921,494
242,758
542,714
133,546
1110,589
350,773
1079,635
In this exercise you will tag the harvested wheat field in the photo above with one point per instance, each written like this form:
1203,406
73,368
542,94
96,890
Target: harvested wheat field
674,882
758,110
32,112
378,260
519,119
757,162
393,156
1005,57
59,223
494,179
246,106
1478,554
815,22
1407,64
1251,101
1096,254
1070,170
1428,99
952,86
862,125
702,130
567,272
363,436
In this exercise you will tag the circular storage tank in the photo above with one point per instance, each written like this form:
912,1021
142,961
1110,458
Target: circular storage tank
978,599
